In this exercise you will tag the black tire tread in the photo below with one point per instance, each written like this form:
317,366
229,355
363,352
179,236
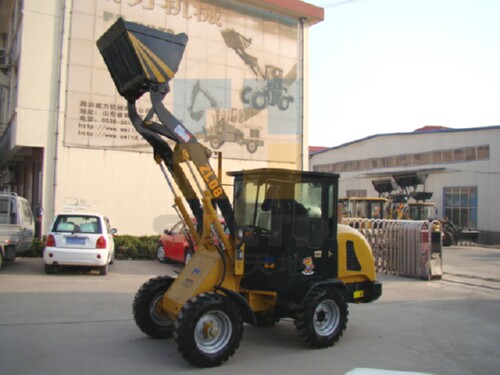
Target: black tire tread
303,319
186,322
140,307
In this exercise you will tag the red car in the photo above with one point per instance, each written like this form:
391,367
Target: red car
177,244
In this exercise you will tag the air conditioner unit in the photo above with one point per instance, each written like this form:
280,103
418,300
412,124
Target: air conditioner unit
4,56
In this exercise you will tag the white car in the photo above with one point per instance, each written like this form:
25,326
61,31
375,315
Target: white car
81,240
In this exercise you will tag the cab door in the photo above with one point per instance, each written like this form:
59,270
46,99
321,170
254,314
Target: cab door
314,228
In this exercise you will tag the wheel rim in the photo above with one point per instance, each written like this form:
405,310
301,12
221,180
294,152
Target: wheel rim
215,143
326,318
251,147
158,316
213,332
160,253
259,100
283,104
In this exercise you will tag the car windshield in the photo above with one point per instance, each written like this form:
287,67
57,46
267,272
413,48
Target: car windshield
77,224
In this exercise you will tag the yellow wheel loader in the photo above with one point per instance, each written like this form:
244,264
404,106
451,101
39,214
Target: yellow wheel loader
285,255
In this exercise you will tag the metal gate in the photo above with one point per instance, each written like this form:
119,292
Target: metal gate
406,248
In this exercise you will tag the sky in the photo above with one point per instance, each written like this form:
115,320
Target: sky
389,66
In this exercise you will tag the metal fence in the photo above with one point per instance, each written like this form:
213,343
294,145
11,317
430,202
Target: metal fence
403,247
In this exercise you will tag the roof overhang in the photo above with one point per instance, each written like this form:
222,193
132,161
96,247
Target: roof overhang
391,173
300,10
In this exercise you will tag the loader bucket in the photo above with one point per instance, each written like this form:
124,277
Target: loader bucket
384,186
421,196
409,179
137,56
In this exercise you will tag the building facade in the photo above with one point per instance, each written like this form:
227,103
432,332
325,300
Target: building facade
460,167
66,142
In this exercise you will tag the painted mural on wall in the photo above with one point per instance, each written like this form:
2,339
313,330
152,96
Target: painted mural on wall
236,88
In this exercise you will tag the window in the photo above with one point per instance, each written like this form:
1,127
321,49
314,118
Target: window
259,204
307,212
77,224
357,193
332,212
460,206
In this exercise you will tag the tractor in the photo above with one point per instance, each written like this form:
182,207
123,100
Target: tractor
285,255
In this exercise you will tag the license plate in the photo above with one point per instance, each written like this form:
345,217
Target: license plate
75,240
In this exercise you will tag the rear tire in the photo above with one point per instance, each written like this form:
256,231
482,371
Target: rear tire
103,271
148,314
49,269
283,103
323,319
208,329
252,147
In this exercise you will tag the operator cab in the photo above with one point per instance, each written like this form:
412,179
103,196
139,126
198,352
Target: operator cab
288,221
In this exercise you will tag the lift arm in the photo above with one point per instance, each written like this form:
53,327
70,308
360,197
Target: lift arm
143,60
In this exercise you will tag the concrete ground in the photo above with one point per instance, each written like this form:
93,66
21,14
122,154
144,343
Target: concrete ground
78,323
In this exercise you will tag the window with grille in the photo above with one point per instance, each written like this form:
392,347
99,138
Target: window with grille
460,205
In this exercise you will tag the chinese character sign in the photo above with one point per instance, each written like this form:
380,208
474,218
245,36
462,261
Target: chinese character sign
236,89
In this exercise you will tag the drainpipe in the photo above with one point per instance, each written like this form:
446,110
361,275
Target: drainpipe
300,72
58,110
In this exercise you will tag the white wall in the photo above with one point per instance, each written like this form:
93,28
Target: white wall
485,174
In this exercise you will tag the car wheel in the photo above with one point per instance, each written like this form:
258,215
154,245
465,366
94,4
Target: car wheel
104,270
147,308
160,253
208,329
323,319
188,254
49,269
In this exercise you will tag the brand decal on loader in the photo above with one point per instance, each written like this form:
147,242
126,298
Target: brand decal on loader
211,180
181,132
269,263
309,266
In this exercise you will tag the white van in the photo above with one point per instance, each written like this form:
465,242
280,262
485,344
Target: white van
17,226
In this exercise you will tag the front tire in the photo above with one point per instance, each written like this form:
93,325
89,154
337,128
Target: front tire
259,100
216,142
147,308
323,319
160,254
208,329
